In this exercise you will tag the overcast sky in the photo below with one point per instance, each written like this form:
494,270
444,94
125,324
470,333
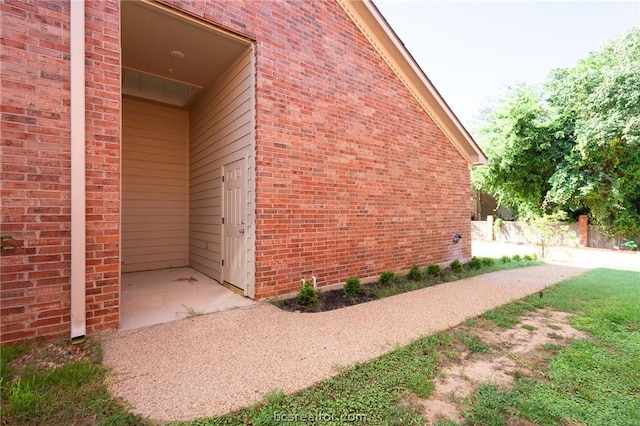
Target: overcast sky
472,50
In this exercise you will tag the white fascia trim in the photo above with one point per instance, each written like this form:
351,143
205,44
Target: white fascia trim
375,28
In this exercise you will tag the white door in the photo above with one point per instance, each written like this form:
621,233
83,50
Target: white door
234,205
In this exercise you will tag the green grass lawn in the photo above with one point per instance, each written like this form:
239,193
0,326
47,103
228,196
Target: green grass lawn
74,393
589,382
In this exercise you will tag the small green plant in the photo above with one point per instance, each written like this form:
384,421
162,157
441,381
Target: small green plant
352,287
528,327
386,277
192,312
545,231
552,347
487,261
527,257
497,226
533,256
507,316
434,270
516,257
473,342
505,259
307,296
474,263
420,385
470,322
455,266
446,422
629,244
414,273
517,374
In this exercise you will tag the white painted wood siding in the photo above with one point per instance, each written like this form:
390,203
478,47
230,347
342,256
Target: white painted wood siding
155,176
222,130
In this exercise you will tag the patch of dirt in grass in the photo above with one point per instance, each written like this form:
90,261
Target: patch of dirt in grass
49,356
518,352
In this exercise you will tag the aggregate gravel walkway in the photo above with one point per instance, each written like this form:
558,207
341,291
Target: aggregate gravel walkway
216,363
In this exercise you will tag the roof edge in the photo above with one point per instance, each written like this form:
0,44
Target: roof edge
379,33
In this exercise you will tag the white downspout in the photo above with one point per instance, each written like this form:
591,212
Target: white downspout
78,196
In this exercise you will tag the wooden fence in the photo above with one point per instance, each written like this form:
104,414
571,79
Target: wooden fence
566,235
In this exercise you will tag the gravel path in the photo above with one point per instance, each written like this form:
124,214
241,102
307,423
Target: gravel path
223,361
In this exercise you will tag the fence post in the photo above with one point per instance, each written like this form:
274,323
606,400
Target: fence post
583,230
490,228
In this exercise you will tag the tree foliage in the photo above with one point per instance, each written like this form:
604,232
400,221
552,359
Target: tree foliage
572,145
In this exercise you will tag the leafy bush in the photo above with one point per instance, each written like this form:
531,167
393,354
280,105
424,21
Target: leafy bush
414,274
307,296
533,256
386,277
505,259
352,286
434,270
456,266
516,257
474,263
629,244
487,261
527,257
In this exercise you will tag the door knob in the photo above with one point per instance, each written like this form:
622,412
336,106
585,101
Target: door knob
241,231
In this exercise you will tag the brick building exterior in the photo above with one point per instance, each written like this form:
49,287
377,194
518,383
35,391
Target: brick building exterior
353,164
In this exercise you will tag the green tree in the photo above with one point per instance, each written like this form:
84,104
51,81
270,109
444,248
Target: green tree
574,144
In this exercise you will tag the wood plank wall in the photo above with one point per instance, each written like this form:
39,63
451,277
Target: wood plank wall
222,128
155,202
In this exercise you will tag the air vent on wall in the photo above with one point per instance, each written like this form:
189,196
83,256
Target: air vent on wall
155,88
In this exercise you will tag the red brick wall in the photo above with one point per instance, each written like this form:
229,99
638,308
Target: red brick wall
352,176
103,163
36,208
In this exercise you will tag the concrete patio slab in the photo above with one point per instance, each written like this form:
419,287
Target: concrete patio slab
160,296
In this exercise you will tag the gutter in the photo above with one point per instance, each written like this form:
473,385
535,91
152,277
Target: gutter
78,189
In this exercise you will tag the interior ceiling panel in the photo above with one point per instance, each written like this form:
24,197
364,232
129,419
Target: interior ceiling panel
150,34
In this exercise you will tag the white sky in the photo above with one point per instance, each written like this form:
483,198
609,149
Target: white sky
472,50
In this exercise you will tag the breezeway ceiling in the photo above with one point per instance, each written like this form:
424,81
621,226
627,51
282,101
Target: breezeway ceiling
150,34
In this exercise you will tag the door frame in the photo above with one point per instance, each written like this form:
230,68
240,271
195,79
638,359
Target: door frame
226,156
242,283
249,235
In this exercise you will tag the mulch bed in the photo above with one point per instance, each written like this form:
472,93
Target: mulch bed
330,300
336,299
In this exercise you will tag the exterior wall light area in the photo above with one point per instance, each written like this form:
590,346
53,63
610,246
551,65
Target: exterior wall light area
456,238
